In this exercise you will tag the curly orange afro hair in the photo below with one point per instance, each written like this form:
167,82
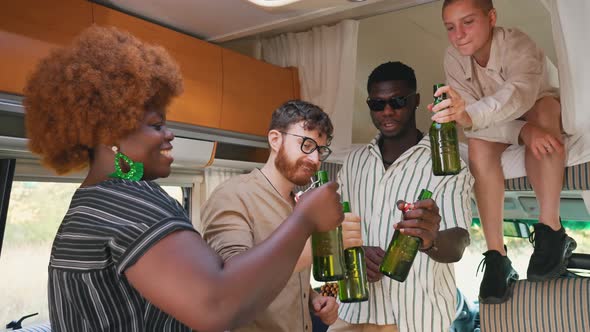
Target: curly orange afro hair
96,91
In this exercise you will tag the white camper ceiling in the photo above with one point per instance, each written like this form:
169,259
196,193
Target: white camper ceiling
225,20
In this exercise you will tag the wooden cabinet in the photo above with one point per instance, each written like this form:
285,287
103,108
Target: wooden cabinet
222,89
252,90
30,29
200,63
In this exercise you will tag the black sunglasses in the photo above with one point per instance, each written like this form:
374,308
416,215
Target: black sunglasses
378,105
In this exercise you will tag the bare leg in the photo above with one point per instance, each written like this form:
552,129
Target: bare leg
486,166
546,175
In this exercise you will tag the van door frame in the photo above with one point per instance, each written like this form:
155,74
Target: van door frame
7,167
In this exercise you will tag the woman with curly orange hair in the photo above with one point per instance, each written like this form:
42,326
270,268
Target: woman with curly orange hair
126,257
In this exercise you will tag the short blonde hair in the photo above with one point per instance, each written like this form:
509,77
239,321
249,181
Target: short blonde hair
485,5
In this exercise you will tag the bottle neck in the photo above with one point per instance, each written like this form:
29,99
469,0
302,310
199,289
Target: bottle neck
440,98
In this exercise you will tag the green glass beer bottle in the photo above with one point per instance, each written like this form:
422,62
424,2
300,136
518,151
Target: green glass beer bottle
327,249
444,144
402,250
354,287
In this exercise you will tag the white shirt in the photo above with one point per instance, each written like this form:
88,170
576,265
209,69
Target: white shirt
426,301
514,78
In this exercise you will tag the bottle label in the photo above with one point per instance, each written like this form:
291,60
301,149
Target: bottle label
447,146
325,243
406,254
445,141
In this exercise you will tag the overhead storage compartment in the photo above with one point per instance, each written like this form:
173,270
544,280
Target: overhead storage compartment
30,29
200,64
230,92
194,147
252,90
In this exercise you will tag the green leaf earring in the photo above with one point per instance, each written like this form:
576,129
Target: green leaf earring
135,168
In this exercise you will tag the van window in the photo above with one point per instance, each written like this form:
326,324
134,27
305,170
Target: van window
35,212
519,252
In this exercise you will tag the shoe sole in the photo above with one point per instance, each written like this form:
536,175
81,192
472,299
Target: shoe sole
507,295
570,246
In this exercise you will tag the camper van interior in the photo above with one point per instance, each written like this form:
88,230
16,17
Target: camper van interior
240,60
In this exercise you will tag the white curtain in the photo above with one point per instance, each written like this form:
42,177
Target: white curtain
326,59
571,27
215,176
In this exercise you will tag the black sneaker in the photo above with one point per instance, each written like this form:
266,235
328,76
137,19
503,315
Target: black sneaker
498,278
552,252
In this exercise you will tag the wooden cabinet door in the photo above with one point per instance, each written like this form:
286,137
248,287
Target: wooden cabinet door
200,63
222,89
252,90
30,29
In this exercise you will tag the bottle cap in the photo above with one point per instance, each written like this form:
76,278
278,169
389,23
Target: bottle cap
407,207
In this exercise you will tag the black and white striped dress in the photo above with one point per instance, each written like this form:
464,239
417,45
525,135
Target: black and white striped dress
107,228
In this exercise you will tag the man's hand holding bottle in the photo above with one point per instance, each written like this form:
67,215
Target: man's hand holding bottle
374,258
351,231
422,221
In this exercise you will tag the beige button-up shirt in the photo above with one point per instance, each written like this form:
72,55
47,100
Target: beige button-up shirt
241,213
499,94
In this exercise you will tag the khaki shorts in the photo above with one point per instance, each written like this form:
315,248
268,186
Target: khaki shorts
506,133
342,326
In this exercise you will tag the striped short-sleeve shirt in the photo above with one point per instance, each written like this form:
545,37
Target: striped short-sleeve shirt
107,228
426,300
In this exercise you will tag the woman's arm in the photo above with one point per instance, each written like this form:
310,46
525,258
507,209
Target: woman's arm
185,278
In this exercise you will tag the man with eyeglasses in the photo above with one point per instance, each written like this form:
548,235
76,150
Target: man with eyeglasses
245,210
377,179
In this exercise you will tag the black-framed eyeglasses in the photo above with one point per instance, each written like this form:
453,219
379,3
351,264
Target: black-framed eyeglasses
378,105
309,145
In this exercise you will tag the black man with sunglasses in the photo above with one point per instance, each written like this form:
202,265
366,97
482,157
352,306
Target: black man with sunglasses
377,179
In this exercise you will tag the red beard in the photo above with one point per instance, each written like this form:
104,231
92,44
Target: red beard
294,172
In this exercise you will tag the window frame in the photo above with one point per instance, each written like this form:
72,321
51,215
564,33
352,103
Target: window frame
7,169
